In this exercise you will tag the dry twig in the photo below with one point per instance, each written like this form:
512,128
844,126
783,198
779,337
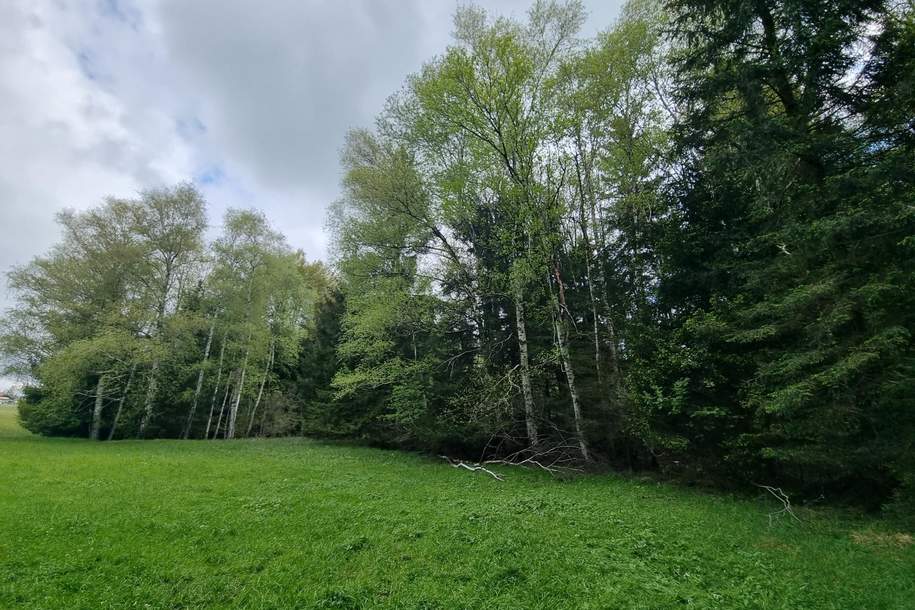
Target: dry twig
782,497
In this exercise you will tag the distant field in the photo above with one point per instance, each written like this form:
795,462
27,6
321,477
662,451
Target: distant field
300,524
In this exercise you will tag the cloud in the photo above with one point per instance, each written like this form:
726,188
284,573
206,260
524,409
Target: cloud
66,139
278,88
250,101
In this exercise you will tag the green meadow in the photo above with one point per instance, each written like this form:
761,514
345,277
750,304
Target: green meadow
302,524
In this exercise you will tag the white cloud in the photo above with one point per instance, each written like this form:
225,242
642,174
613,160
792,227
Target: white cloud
252,101
67,140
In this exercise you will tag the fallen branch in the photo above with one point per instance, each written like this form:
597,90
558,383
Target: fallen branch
555,465
472,467
782,497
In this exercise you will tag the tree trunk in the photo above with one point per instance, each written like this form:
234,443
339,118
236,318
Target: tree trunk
260,391
613,390
206,357
596,325
222,353
99,405
601,244
589,253
154,372
559,306
225,399
117,415
240,384
150,398
233,411
525,370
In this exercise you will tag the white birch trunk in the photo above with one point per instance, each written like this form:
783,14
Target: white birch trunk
240,384
206,357
154,372
222,353
233,411
99,405
526,391
559,306
150,398
600,244
222,409
260,391
589,253
117,415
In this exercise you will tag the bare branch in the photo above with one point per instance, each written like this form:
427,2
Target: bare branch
472,467
782,497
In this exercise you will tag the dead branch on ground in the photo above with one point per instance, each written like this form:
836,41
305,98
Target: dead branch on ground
554,460
472,467
782,497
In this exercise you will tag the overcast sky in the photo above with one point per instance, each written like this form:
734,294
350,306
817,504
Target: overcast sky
249,100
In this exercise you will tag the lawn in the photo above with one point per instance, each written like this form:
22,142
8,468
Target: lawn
301,524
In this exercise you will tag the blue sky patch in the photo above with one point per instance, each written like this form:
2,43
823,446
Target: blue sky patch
209,176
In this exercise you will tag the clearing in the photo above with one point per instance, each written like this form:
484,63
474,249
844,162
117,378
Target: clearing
300,524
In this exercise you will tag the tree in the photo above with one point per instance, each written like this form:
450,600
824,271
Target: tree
124,293
169,225
791,266
71,304
260,286
488,96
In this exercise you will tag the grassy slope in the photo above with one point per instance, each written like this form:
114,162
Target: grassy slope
298,524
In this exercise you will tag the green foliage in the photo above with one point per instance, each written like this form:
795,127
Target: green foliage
64,406
130,302
789,267
715,198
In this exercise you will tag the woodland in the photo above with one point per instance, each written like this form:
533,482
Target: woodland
686,247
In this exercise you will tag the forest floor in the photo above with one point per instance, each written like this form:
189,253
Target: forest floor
301,524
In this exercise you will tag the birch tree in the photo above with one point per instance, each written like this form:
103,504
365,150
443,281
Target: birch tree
258,280
490,89
169,224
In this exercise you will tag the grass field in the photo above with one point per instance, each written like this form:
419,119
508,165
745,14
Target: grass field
300,524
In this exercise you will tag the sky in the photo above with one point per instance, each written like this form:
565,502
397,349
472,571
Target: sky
250,101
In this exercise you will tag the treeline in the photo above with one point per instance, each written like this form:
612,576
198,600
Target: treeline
685,245
133,326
